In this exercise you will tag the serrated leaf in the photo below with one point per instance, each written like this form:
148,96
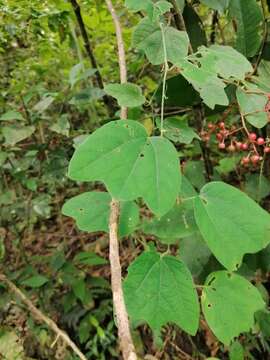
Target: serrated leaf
130,164
210,87
159,290
231,223
228,62
219,5
91,211
128,94
253,107
14,134
177,129
248,16
35,281
229,303
147,37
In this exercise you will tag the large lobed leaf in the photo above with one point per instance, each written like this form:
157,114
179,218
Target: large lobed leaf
130,164
229,303
231,223
159,289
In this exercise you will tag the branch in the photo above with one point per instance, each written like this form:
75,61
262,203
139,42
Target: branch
198,111
88,48
179,21
124,334
41,317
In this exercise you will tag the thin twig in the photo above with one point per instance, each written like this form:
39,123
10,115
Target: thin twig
165,72
88,48
41,317
124,334
121,51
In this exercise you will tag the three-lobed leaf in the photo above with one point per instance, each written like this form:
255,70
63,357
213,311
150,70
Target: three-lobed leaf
229,303
231,223
159,290
130,163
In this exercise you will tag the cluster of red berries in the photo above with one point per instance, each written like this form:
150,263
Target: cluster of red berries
228,141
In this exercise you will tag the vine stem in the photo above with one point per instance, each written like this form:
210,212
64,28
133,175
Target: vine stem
41,317
126,343
165,73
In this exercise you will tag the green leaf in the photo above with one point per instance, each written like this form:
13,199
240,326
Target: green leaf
61,126
219,5
11,115
138,5
14,134
229,302
229,63
89,258
177,223
177,130
228,164
43,104
179,93
159,289
263,78
236,351
207,83
11,346
91,211
231,223
35,281
194,171
248,16
147,37
159,8
194,253
130,164
257,186
263,319
253,107
128,94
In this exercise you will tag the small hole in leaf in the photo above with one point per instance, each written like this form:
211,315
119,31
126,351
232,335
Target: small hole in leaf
237,266
209,305
126,126
80,209
214,289
141,155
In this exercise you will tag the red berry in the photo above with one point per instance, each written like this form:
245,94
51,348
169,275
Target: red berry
252,137
219,136
238,145
267,150
222,146
260,141
231,148
210,126
244,146
221,125
245,160
255,159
